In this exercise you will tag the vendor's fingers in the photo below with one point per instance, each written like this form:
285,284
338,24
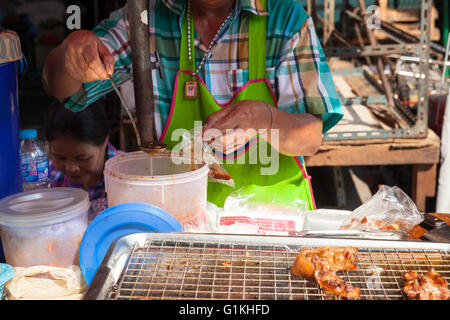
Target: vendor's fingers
226,120
79,69
223,144
230,133
228,146
231,120
217,144
211,135
106,57
215,118
85,56
95,66
231,141
236,138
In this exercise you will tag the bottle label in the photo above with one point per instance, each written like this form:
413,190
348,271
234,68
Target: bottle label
35,171
42,170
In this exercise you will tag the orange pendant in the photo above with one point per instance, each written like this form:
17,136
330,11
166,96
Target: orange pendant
190,89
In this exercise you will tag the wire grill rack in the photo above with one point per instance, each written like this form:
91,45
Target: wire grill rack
173,269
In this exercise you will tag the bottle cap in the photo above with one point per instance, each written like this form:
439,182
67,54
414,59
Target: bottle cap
28,134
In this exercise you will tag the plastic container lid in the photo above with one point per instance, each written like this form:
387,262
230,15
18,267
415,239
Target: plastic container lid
6,273
11,48
136,167
43,206
28,134
116,222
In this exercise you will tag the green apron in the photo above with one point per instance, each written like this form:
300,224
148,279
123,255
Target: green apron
291,182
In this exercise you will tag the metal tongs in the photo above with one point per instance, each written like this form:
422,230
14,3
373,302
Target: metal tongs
358,234
149,147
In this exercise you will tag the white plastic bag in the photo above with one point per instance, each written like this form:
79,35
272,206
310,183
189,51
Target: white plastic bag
46,283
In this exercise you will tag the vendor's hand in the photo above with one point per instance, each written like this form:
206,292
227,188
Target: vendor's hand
86,57
233,126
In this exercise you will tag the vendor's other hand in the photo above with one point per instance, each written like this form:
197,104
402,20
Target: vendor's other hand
233,126
87,59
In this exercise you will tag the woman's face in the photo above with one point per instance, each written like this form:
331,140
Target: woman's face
82,163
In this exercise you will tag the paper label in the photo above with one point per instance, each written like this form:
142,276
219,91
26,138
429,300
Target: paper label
273,226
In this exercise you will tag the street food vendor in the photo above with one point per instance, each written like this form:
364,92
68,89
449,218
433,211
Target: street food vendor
236,66
79,146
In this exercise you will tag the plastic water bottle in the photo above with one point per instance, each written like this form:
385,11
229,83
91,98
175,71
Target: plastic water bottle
35,172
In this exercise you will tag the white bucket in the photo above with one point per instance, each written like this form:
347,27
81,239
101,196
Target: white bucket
161,180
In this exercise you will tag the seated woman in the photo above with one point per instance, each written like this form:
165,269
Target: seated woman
78,148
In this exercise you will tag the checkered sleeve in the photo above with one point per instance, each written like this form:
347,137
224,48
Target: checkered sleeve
114,34
305,82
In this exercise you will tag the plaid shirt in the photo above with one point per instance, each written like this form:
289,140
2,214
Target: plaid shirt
296,66
97,194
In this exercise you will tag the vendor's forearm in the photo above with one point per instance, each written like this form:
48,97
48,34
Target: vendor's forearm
55,78
300,134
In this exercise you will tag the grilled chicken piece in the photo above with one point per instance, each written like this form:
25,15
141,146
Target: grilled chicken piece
321,265
430,286
329,280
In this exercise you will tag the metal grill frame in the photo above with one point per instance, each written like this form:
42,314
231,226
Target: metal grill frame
419,49
236,267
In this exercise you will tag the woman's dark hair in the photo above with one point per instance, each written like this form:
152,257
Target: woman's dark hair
91,125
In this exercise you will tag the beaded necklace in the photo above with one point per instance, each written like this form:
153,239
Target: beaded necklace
190,86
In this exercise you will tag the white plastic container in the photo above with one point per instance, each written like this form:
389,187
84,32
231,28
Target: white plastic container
44,226
162,180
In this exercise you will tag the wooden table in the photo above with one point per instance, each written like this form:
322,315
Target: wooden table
422,154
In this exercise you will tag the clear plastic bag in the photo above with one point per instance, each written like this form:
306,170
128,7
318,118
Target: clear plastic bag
389,209
192,146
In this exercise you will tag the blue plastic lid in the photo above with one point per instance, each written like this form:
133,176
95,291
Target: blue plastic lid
117,222
6,273
28,134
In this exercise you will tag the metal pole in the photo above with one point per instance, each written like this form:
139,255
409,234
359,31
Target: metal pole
424,66
446,25
328,20
380,65
142,71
